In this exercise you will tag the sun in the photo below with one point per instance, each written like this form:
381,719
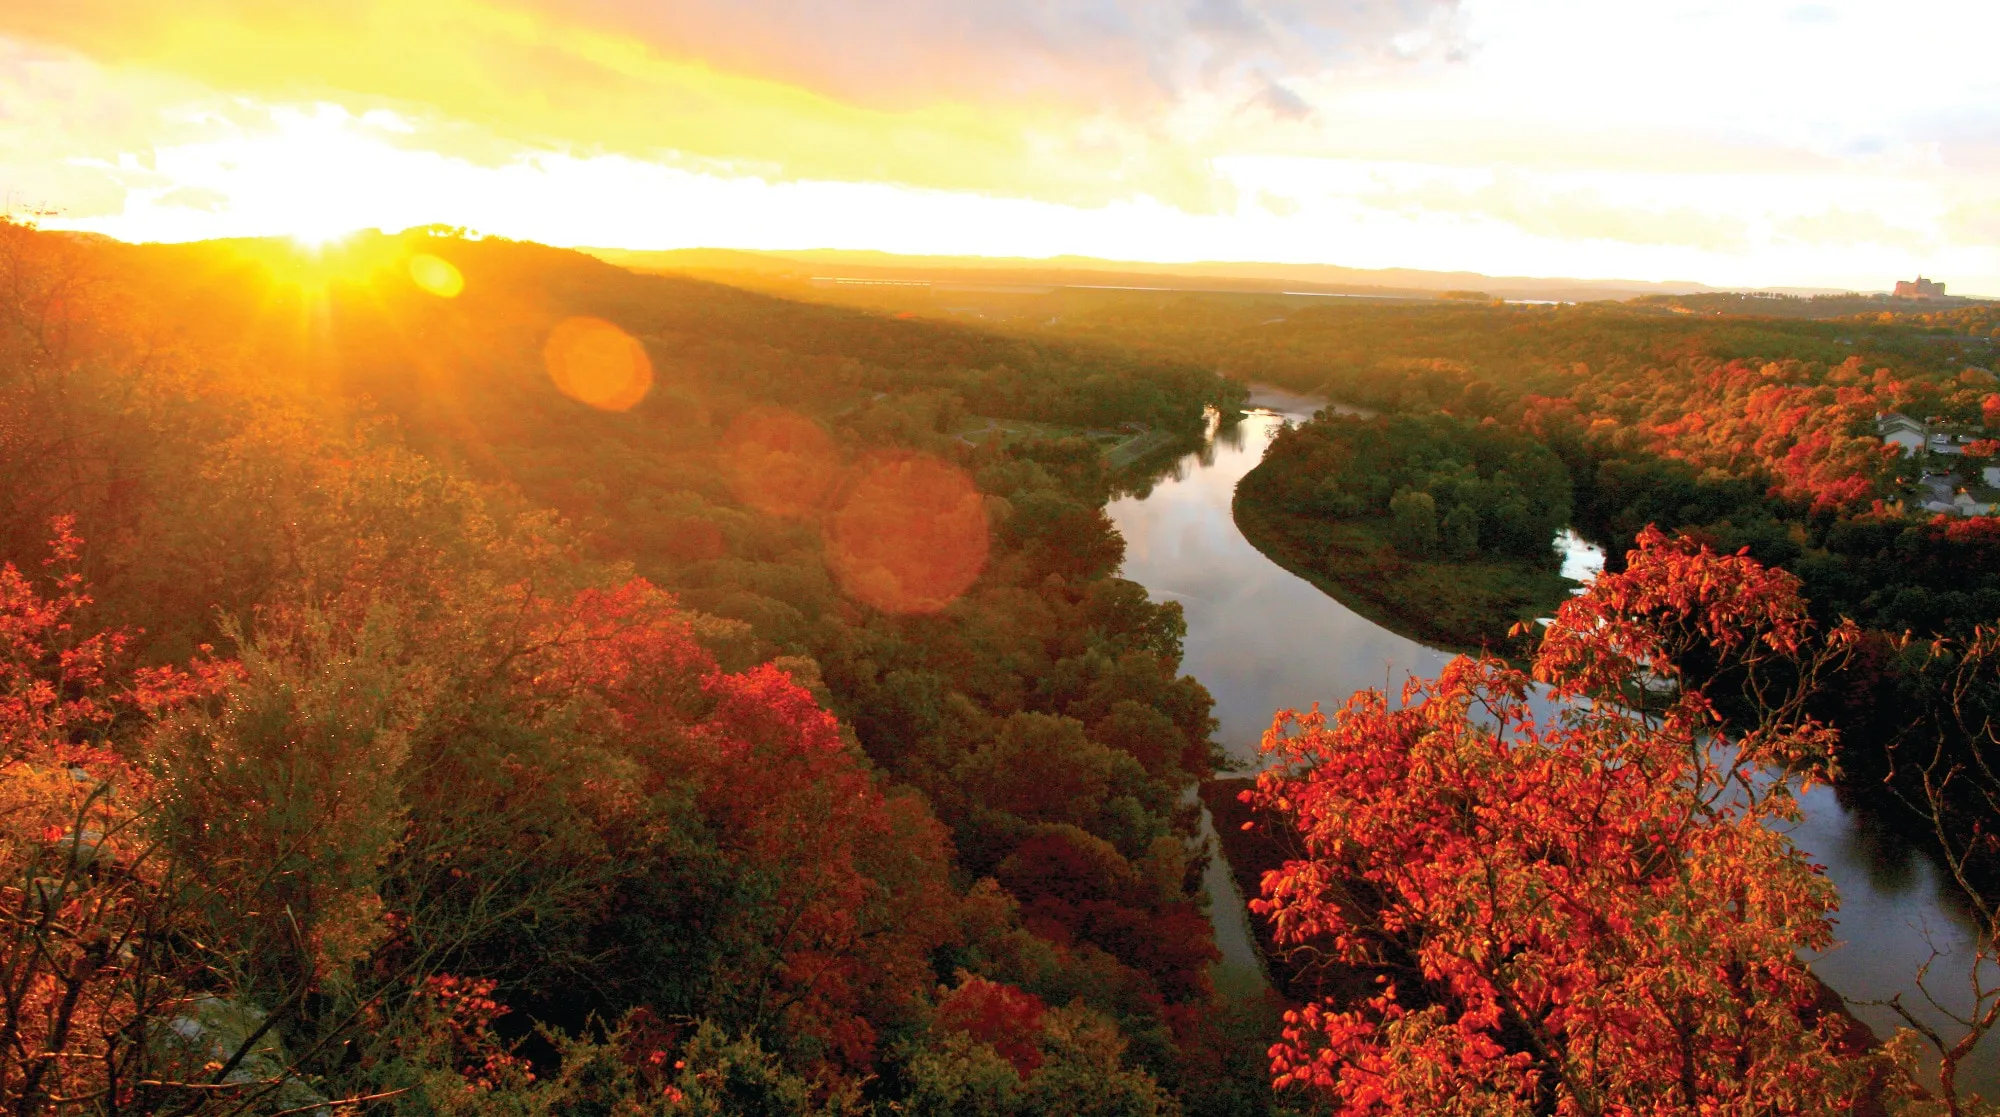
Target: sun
317,239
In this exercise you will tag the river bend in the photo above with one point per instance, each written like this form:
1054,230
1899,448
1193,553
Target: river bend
1261,638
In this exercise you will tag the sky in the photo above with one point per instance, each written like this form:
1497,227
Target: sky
1840,143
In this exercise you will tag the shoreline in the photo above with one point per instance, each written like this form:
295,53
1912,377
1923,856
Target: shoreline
1263,528
1248,855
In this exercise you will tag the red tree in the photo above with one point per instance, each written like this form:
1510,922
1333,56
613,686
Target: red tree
1583,913
856,880
997,1014
88,900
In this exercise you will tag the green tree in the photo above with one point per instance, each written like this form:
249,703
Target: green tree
1081,1075
1416,522
962,1077
283,804
1461,532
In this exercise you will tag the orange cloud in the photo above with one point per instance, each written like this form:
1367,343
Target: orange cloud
1052,104
1131,54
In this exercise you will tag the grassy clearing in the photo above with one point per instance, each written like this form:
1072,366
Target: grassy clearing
1121,449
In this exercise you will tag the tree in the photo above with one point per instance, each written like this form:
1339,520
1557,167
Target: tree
842,889
1461,532
1944,767
998,1015
1415,522
443,756
1062,1063
1582,913
284,804
1081,1076
1042,768
109,998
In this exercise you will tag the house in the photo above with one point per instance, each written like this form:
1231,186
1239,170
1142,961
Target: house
1942,444
1899,429
1991,475
1942,493
1919,288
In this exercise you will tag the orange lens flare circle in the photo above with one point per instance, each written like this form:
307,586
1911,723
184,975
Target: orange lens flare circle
779,462
436,276
910,537
595,362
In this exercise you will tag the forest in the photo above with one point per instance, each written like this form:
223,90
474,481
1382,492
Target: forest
1734,427
467,676
1746,431
1742,426
447,675
1748,435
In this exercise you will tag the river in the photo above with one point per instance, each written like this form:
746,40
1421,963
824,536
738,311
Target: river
1261,638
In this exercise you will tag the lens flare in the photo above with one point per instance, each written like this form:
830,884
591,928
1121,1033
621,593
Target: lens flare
595,362
910,537
436,276
779,462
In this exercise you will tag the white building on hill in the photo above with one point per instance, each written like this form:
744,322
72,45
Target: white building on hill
1899,429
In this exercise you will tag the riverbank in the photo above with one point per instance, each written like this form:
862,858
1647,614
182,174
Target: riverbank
1461,607
1299,977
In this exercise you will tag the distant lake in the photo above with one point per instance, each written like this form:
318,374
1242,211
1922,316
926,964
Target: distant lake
1262,639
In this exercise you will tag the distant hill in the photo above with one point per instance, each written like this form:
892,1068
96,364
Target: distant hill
985,272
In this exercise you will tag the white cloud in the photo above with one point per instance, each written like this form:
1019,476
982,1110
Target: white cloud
1129,53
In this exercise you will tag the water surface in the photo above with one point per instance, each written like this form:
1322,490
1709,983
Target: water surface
1259,638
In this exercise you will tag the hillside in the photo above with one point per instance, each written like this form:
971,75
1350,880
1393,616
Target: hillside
546,662
1061,271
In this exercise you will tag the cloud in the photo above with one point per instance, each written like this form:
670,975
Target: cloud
1284,103
197,198
1844,227
1130,53
1066,100
1558,208
69,139
1974,223
1677,137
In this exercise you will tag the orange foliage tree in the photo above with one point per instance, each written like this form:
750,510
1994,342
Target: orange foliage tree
87,899
1587,911
1808,432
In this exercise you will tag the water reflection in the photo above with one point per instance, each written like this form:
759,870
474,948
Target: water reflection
1583,560
1262,639
1241,971
1259,638
1896,916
